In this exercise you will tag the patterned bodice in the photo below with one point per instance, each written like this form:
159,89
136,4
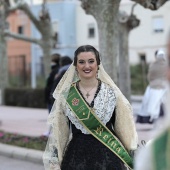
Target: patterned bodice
104,105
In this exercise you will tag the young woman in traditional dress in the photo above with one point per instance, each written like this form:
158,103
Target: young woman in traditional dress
92,122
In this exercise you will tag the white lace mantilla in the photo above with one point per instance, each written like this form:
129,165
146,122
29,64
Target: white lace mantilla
104,105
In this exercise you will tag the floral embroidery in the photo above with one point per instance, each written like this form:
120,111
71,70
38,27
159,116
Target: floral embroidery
75,102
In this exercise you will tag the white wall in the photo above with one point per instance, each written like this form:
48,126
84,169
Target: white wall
143,39
82,22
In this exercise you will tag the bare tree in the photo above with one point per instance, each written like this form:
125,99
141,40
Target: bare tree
105,12
126,24
43,25
151,4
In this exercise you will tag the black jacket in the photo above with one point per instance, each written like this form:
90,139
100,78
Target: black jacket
57,79
49,83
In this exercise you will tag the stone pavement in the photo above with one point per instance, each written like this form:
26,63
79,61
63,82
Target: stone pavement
32,122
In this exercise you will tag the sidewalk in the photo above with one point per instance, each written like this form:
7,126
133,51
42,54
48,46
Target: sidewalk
32,122
26,121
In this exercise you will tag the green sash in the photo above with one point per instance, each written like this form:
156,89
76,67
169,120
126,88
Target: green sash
161,151
95,127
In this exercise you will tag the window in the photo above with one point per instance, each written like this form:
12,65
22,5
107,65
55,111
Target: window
21,29
158,24
91,31
142,57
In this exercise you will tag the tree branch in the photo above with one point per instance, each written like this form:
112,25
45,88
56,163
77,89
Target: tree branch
22,37
151,4
132,9
24,7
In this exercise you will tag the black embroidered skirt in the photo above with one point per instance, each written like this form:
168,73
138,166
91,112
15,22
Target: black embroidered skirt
84,152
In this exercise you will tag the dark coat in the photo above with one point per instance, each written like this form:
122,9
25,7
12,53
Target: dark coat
49,83
57,79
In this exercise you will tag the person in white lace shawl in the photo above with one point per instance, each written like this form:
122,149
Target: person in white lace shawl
156,154
104,97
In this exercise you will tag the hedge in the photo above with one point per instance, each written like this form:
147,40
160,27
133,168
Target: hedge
25,97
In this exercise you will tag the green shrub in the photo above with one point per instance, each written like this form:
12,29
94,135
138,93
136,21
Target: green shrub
138,79
25,97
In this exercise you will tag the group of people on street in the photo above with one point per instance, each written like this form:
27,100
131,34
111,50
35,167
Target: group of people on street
59,65
92,124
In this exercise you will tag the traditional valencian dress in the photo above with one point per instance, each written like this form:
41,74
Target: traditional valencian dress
78,144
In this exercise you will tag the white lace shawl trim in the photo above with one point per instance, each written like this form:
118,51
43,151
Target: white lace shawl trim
104,105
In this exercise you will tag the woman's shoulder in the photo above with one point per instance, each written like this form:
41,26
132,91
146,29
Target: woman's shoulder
107,87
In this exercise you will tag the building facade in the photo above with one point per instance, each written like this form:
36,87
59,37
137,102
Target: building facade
151,34
75,28
19,52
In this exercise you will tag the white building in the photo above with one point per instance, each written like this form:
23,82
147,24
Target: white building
143,41
86,28
151,34
82,29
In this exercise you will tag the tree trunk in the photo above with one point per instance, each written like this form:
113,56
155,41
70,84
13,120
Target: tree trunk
46,59
47,44
3,59
105,13
124,69
108,45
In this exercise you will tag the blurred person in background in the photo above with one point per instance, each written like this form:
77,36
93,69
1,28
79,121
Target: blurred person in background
65,63
55,58
152,103
156,155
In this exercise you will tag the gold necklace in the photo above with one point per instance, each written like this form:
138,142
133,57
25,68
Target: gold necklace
87,94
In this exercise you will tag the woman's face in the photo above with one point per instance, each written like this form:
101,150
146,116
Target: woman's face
87,65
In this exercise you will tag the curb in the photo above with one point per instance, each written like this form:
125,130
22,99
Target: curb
30,155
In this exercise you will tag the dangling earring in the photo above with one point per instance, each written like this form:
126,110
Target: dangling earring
97,75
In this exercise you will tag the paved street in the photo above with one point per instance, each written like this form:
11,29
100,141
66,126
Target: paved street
7,163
